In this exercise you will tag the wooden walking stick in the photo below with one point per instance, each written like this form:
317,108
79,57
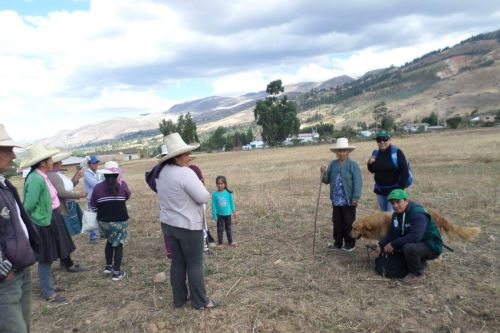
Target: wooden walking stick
316,213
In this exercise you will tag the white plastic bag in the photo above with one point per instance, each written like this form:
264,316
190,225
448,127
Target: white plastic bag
89,221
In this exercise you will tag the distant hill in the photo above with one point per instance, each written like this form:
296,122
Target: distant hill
451,81
206,112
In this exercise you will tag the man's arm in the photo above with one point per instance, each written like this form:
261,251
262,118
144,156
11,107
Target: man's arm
90,179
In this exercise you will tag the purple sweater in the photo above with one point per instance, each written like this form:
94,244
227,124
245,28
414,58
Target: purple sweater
110,208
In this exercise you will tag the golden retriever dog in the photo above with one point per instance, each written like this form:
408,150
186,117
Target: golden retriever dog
377,225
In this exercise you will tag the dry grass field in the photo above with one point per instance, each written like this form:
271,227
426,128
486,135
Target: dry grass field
272,282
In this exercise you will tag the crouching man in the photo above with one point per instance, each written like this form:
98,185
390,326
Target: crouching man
414,232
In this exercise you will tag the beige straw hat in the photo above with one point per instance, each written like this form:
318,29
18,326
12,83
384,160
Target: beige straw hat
163,152
37,153
342,143
61,156
6,140
176,146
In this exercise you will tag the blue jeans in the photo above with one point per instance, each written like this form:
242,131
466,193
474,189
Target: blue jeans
383,203
92,235
15,303
45,277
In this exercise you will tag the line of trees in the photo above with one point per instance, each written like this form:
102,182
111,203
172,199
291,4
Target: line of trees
185,126
223,139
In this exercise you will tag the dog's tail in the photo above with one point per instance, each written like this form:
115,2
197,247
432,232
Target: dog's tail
450,229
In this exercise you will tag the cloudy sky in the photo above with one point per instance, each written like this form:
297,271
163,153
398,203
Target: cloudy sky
65,63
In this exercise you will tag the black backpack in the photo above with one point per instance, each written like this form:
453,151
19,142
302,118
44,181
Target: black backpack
391,265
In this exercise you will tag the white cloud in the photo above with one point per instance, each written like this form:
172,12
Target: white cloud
240,83
125,55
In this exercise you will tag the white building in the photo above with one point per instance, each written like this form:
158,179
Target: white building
302,138
415,127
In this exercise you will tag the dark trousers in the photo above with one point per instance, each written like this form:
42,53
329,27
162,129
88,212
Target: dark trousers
187,259
113,252
342,218
224,222
416,254
15,303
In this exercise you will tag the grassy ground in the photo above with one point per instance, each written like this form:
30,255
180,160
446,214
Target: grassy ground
272,282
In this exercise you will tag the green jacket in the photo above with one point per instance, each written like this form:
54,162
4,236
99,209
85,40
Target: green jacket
37,200
432,236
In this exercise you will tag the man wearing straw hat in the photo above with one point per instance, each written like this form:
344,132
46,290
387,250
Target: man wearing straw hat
344,177
18,243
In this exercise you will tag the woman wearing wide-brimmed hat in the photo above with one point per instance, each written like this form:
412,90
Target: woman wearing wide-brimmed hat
109,200
64,185
42,204
344,177
181,195
70,210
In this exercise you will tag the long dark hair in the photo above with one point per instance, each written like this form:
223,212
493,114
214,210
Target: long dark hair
34,167
223,179
111,183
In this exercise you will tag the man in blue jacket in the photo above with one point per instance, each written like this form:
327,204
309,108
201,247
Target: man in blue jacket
18,244
414,232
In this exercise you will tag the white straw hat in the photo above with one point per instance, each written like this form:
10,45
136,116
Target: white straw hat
37,153
5,139
342,143
164,152
176,146
61,156
110,168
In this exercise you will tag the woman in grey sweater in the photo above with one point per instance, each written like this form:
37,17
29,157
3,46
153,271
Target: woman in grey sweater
182,195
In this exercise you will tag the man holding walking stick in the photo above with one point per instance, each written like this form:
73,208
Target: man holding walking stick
344,177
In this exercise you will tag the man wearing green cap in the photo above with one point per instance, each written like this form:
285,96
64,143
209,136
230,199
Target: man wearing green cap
389,167
414,232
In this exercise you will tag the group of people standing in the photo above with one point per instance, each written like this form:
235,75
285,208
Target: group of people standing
34,230
344,177
37,230
413,231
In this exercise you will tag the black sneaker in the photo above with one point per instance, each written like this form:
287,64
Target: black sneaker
349,248
76,268
333,247
108,269
118,275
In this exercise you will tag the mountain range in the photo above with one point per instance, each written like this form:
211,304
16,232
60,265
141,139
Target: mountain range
452,81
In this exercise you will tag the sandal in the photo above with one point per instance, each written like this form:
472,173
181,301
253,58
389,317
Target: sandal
56,298
210,305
